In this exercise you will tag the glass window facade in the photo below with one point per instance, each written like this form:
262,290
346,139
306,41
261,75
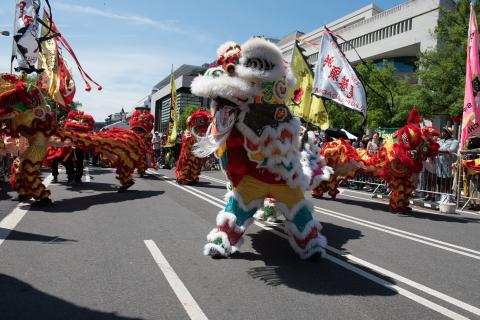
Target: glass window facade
401,64
184,99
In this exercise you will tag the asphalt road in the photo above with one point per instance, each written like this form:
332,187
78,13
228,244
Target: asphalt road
99,254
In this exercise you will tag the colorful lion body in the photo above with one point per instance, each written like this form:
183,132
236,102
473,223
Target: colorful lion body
398,162
26,114
142,123
122,149
257,140
189,166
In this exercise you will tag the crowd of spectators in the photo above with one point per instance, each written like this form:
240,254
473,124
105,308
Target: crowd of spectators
167,157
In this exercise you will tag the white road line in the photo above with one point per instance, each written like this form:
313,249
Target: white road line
13,218
401,233
406,293
188,302
403,236
87,175
326,211
384,283
343,193
415,209
213,179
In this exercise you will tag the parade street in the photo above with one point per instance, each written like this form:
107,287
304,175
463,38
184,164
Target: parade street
99,254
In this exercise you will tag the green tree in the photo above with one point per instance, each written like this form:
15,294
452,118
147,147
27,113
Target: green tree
442,70
389,99
182,119
438,86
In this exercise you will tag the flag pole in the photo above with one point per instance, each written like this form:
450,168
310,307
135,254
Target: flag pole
13,36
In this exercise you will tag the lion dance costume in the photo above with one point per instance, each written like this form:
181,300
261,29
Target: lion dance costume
26,114
142,122
399,162
122,149
189,166
23,109
257,140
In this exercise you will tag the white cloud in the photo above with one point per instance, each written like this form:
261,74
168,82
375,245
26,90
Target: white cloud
126,78
165,25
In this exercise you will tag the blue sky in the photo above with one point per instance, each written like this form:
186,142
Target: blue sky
130,45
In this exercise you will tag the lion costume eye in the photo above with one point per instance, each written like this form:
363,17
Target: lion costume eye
259,64
405,138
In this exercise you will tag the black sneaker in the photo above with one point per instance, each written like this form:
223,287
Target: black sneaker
125,188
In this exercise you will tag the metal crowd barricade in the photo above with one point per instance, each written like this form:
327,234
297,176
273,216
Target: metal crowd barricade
468,182
367,183
435,185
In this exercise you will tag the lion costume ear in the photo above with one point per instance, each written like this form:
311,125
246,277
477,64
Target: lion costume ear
414,117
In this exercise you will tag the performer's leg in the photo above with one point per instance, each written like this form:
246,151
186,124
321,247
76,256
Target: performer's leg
26,180
402,190
79,154
69,168
302,229
242,203
55,163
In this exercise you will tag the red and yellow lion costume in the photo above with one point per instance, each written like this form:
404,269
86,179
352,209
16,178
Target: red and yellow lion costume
142,123
189,166
26,114
399,162
121,148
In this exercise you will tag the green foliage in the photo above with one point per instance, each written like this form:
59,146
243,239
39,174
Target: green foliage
389,100
341,117
442,70
436,88
182,119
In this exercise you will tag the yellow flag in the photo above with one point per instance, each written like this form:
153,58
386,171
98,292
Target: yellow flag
172,124
318,114
48,61
300,99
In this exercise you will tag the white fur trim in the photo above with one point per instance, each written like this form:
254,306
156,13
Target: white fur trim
254,204
258,48
289,154
223,86
317,245
313,246
292,229
290,79
214,234
224,46
291,213
221,250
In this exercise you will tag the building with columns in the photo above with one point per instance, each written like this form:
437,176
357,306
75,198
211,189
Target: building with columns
397,34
